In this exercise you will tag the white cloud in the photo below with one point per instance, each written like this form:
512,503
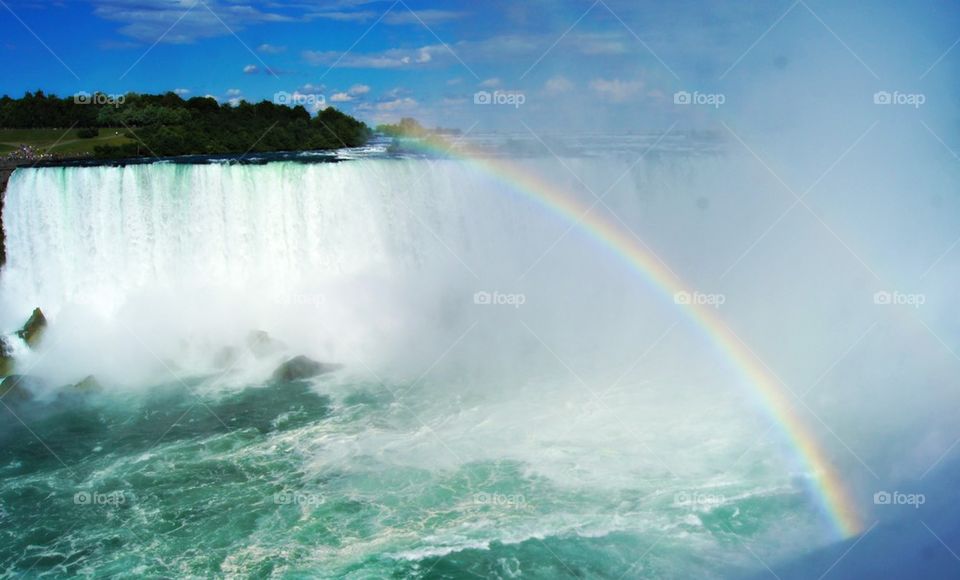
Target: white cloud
404,103
234,102
615,90
334,58
391,58
351,94
251,69
599,44
657,95
311,89
182,92
494,49
558,85
171,21
234,92
266,48
396,93
490,83
399,17
343,16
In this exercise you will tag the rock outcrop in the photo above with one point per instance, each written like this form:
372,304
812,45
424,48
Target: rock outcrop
15,388
6,357
32,331
261,344
301,367
88,385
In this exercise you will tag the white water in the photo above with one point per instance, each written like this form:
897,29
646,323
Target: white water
149,269
344,261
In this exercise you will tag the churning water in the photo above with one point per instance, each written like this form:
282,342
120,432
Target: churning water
516,400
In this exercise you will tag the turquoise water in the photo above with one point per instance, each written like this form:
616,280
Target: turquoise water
282,480
584,433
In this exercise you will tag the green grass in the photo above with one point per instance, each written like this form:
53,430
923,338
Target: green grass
59,141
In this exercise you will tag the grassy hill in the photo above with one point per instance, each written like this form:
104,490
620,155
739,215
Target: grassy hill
60,142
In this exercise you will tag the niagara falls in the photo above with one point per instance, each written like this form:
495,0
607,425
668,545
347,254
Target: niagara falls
439,290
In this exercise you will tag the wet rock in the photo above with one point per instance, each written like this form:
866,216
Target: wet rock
32,331
6,357
18,388
261,344
88,385
301,367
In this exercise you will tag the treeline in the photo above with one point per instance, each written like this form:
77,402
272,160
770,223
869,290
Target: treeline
167,124
407,127
410,127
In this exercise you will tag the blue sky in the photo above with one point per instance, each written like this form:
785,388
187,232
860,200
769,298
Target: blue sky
383,59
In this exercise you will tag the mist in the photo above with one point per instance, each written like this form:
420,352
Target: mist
805,183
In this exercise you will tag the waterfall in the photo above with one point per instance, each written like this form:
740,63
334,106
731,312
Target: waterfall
100,234
377,264
327,255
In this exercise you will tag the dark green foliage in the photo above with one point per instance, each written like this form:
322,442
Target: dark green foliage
407,127
88,133
166,125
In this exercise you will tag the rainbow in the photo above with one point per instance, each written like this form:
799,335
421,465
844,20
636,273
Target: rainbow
772,394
